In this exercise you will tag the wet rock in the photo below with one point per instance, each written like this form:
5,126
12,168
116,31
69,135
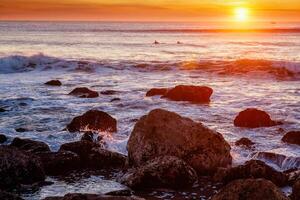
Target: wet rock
84,92
293,175
115,99
17,167
250,189
156,91
54,83
58,163
124,192
254,118
296,191
8,196
292,137
195,94
30,145
162,133
109,92
93,120
165,171
251,169
21,130
92,197
3,138
244,142
88,136
2,110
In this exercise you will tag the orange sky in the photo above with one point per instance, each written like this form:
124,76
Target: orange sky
147,10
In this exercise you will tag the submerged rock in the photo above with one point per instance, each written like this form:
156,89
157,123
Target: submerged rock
93,120
21,130
166,172
195,94
17,167
58,163
254,118
3,138
296,191
84,92
2,110
92,197
156,91
30,145
250,189
251,169
163,133
292,137
8,196
88,136
109,92
54,83
244,142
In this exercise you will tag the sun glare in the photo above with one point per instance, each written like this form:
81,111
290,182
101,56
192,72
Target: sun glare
241,14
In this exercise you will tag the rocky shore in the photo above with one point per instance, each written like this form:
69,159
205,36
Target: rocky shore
166,153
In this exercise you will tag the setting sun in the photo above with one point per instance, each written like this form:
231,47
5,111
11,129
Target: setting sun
241,14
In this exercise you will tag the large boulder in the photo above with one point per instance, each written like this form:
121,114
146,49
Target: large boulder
93,120
296,191
17,167
54,83
292,137
3,138
30,145
156,91
84,92
162,133
194,94
92,197
250,189
165,171
254,118
58,163
251,169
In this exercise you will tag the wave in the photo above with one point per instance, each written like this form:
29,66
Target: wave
279,69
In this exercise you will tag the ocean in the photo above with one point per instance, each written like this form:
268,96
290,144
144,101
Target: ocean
258,68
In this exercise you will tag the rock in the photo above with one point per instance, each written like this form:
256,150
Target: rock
162,133
88,136
254,118
21,130
124,192
292,137
54,83
244,142
165,171
109,92
92,197
58,163
251,169
93,120
2,110
3,138
194,94
250,189
30,145
115,99
17,167
156,91
296,191
84,92
8,196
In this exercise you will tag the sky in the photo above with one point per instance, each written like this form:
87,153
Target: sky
148,10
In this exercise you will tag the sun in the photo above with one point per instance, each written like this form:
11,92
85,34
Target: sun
241,14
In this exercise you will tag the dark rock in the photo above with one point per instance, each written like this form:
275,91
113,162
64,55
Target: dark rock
17,167
30,145
21,130
115,99
125,192
162,133
254,118
54,83
296,191
8,196
292,137
3,138
88,136
58,163
250,189
2,110
166,171
93,120
109,92
194,94
92,197
84,92
251,169
157,91
244,142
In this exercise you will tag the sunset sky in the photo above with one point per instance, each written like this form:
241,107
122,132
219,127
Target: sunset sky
148,10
